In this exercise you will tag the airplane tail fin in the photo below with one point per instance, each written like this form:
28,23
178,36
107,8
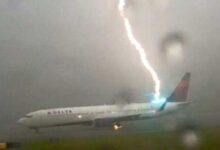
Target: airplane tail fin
181,91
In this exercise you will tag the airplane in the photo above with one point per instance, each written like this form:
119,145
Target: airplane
109,115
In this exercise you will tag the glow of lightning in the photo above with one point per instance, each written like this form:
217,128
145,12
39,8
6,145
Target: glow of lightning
139,48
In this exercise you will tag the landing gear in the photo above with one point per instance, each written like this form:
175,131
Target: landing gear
117,126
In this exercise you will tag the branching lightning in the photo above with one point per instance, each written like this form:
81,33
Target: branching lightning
139,48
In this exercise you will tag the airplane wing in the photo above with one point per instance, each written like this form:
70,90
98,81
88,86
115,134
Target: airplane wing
108,120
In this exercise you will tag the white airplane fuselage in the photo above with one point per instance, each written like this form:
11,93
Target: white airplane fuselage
87,115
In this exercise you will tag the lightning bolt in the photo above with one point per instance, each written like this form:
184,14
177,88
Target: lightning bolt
139,48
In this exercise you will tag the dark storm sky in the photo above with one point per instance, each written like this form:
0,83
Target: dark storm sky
71,53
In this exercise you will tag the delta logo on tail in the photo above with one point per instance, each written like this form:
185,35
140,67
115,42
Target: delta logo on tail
180,92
